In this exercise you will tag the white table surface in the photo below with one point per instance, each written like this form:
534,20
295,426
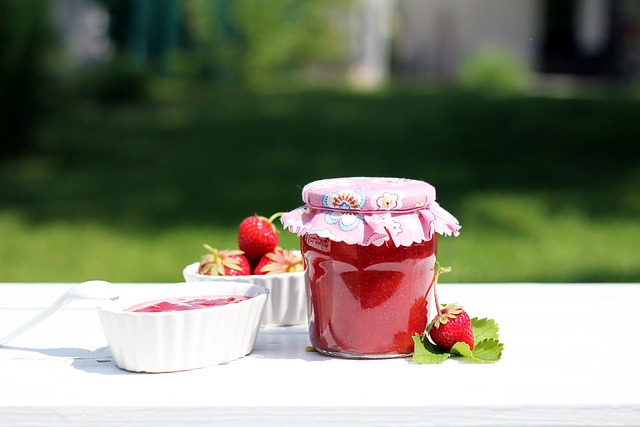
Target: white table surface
571,357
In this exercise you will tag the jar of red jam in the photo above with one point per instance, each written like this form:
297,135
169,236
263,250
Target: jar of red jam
369,246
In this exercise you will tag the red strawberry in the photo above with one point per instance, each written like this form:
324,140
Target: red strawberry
257,236
279,261
403,340
372,287
451,325
224,263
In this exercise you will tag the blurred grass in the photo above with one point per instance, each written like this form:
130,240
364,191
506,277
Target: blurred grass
546,189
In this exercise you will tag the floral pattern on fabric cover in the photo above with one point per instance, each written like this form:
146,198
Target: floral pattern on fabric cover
367,211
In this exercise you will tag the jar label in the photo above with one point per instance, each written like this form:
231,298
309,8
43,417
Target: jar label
318,243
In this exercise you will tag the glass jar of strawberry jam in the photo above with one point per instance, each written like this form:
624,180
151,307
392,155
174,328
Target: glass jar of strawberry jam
369,246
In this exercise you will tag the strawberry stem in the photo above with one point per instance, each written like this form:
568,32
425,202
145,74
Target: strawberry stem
274,216
437,270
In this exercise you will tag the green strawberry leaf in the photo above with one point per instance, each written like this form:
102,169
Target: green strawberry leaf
484,329
463,349
486,349
427,353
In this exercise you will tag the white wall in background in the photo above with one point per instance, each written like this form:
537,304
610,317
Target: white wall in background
436,36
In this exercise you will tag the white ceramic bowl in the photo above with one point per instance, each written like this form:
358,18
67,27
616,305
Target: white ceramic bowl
287,304
182,340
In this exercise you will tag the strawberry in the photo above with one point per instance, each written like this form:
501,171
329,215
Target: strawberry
451,325
372,288
224,263
279,261
257,236
403,340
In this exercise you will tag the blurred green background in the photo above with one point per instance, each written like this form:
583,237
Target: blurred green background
184,117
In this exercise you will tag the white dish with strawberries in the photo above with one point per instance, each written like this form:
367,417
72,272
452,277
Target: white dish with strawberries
287,303
179,327
259,260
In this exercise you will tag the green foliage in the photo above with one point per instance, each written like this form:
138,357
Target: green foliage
494,72
484,329
427,353
486,351
546,190
24,41
255,43
231,42
282,37
120,80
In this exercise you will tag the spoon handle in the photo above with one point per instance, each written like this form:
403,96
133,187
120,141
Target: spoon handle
61,302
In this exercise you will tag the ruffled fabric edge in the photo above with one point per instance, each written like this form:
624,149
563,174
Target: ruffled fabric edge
403,229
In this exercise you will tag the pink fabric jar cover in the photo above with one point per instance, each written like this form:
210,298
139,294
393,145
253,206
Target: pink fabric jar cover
370,211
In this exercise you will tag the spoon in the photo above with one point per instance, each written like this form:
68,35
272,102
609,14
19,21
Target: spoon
93,289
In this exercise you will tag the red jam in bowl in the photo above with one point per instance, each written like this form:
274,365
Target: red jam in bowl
367,301
186,303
